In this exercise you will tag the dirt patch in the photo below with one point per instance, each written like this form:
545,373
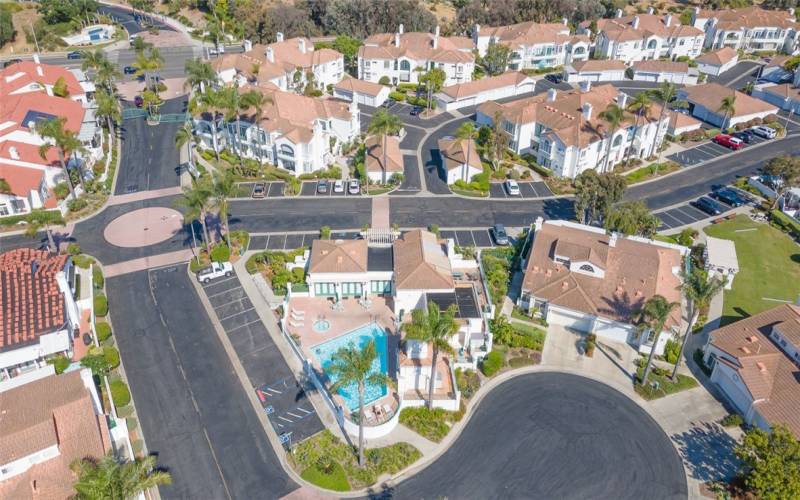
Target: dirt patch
21,20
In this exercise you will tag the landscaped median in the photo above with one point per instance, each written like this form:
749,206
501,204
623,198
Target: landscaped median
660,384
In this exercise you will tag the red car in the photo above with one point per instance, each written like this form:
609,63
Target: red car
729,141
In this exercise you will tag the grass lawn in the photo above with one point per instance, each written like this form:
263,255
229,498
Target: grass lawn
649,172
334,478
665,386
768,267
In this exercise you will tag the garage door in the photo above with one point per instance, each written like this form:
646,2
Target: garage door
646,77
722,377
569,320
612,331
592,77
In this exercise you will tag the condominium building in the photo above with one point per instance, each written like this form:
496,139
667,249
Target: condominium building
32,76
748,29
404,57
566,133
645,36
534,45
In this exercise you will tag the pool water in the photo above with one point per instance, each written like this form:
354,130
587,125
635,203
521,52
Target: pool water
324,354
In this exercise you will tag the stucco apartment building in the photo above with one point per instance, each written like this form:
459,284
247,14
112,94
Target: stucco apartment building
581,278
403,57
749,29
32,76
534,45
675,72
296,133
755,363
645,36
565,133
287,64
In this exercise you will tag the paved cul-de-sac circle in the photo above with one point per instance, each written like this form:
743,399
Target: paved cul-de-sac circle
554,435
143,227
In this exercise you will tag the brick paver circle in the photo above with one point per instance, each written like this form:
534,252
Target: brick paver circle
143,227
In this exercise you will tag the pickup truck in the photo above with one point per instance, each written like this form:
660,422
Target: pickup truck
214,271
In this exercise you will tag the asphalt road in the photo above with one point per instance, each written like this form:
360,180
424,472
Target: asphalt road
193,411
551,435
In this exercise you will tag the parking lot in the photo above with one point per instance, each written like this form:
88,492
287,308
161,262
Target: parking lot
283,398
526,190
291,241
309,188
273,189
686,214
709,151
479,238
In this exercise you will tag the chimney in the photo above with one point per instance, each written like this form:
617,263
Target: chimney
301,44
401,28
636,22
668,20
612,240
270,55
585,86
622,100
279,36
36,58
13,153
551,95
619,13
436,38
39,71
537,225
696,11
397,39
564,21
586,111
651,10
247,45
791,11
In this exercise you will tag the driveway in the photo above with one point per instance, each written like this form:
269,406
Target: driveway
554,435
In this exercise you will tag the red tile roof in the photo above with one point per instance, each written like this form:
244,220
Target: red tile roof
31,303
22,180
15,108
24,73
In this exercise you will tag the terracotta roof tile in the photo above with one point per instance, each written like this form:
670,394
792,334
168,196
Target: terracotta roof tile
21,74
420,263
418,46
361,86
710,96
718,57
21,179
374,154
662,66
749,17
508,79
339,256
454,153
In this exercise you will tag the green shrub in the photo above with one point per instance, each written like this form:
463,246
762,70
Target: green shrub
385,80
131,423
492,363
97,278
432,424
103,331
434,228
120,394
77,204
672,349
397,96
124,411
325,233
221,253
468,382
73,249
328,474
60,363
100,306
408,87
591,343
687,236
732,420
61,190
785,223
83,261
298,275
712,132
111,355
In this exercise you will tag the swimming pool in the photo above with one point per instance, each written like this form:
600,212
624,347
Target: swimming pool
359,337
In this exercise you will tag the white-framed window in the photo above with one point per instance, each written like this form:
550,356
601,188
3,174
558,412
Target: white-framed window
324,289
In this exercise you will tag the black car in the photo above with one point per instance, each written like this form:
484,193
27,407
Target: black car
745,135
554,77
129,70
415,110
138,101
74,55
729,197
709,206
388,103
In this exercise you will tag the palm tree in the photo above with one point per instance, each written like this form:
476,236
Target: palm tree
665,93
234,103
147,64
728,108
699,290
196,200
434,327
108,108
185,137
640,105
199,75
654,316
351,365
65,141
152,101
92,59
106,74
39,220
222,189
613,115
466,132
114,479
383,124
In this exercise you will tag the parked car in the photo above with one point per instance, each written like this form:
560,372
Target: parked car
554,77
744,135
138,101
74,55
132,39
129,70
500,234
416,110
214,271
354,187
729,197
708,206
259,190
338,186
764,131
388,103
512,188
729,141
322,186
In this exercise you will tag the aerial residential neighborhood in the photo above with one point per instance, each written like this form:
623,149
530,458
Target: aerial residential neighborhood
399,249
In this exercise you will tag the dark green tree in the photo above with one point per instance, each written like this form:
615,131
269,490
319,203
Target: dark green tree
770,462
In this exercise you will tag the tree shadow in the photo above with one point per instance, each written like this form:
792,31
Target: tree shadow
795,258
559,208
435,164
707,451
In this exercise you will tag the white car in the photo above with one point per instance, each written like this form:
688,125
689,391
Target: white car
764,131
338,186
354,187
214,271
512,188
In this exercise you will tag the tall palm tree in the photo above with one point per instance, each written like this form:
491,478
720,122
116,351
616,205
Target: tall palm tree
185,137
699,290
152,101
351,365
466,132
113,479
640,105
92,59
196,201
106,74
434,327
199,75
108,108
65,141
383,124
234,103
665,93
211,102
148,64
654,316
39,220
223,189
613,116
728,107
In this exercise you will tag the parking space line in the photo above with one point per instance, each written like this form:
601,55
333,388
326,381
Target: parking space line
473,239
304,410
231,330
225,291
217,282
228,303
232,315
285,419
664,215
292,414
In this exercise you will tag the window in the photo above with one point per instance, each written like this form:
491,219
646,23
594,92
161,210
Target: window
508,126
617,141
405,66
351,289
324,289
286,150
3,209
386,64
651,44
382,287
17,205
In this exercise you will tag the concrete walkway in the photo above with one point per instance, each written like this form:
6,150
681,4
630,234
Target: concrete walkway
161,260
